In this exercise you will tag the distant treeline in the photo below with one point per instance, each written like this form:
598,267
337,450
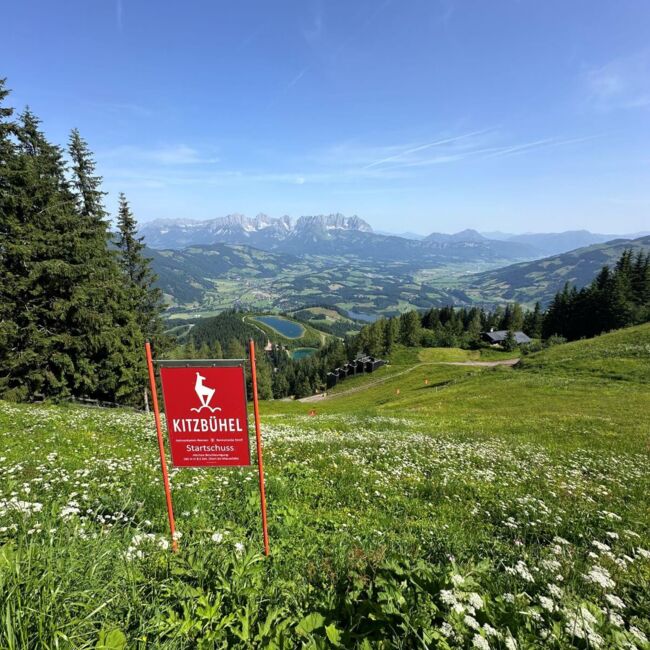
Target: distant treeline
76,304
618,297
444,327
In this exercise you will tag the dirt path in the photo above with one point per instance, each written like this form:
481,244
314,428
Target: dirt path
480,364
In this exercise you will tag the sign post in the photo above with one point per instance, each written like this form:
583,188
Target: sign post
207,418
258,437
161,447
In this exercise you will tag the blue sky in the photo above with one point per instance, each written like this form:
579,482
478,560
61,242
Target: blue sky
423,115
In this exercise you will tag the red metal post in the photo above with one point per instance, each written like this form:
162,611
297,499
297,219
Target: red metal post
161,447
258,435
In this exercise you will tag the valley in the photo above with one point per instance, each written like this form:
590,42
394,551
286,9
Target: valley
262,265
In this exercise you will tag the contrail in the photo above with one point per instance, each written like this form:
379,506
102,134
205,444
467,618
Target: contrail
421,147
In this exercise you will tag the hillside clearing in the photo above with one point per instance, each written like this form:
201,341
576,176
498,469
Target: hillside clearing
493,502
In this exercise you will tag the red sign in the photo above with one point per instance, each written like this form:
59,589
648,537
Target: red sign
205,408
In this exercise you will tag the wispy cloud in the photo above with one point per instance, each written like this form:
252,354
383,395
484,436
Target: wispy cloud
428,145
343,164
168,155
297,78
536,144
623,83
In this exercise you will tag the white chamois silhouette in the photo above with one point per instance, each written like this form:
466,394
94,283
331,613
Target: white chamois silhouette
204,393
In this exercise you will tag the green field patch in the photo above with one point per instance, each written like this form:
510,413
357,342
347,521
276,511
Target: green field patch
518,492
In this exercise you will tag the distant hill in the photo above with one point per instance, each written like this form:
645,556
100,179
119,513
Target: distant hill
184,276
553,243
528,282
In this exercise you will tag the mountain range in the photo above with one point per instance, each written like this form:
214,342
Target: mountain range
332,235
336,234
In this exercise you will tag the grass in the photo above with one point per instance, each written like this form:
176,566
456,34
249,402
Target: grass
483,508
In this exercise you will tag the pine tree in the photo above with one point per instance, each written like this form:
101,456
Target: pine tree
409,328
510,343
264,376
234,350
12,251
114,344
533,322
189,349
474,327
145,297
47,266
391,334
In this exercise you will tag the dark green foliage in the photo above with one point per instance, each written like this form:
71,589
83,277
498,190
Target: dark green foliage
144,296
223,329
510,343
67,328
235,350
533,321
443,327
616,298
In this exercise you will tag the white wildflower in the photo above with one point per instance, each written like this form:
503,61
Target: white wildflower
638,634
523,571
600,576
547,603
470,621
479,642
448,597
447,630
551,565
475,600
217,537
614,601
457,580
490,631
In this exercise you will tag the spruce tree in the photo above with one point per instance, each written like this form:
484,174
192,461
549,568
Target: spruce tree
42,260
145,298
234,350
533,322
113,342
13,252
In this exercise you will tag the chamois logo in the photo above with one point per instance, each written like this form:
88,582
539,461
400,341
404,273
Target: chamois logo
205,395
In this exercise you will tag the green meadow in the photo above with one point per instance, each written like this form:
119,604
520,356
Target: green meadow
433,506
